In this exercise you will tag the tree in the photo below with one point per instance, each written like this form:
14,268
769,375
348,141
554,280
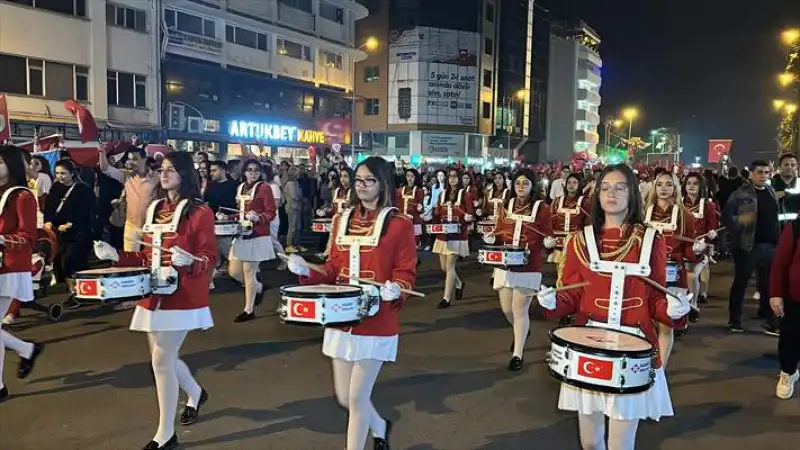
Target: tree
788,137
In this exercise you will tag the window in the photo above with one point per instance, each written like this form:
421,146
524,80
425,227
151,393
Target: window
303,5
371,74
488,45
190,23
82,83
127,90
331,59
71,7
487,110
124,17
35,77
371,107
59,80
331,12
489,12
294,50
245,37
487,78
404,103
28,76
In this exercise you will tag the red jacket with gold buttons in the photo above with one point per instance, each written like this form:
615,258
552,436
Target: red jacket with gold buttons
18,228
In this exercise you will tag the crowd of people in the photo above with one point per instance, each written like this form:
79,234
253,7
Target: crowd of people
632,249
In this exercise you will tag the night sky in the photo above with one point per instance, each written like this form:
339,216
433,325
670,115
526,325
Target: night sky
703,66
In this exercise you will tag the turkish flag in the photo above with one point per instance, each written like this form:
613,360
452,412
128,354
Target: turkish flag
157,151
5,125
87,287
83,156
437,228
717,148
595,368
303,309
87,127
496,257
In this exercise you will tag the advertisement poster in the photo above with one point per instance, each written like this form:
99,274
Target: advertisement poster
443,144
433,77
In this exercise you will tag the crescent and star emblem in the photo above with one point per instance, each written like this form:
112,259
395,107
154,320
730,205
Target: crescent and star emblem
84,288
589,368
299,310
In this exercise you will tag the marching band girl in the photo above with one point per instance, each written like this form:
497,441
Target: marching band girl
705,219
617,227
340,198
516,286
359,352
496,196
454,206
180,233
468,183
409,200
570,212
664,211
17,242
254,243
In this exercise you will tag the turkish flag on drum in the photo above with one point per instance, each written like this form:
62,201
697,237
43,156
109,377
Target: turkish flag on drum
5,125
86,287
304,309
595,368
437,228
717,148
494,257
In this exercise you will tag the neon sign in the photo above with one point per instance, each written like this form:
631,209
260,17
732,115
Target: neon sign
274,132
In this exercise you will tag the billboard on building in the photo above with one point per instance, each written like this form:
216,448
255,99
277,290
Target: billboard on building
433,77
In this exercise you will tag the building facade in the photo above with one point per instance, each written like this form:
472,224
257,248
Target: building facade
573,92
103,54
274,75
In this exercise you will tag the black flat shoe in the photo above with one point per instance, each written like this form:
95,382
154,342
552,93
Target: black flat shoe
26,364
515,364
444,304
460,291
171,444
702,299
244,317
3,394
383,443
694,316
190,414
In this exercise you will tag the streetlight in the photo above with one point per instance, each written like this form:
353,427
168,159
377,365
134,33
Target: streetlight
371,44
778,104
629,114
790,109
791,36
786,79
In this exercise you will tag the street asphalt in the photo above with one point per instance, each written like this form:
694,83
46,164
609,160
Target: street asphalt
270,386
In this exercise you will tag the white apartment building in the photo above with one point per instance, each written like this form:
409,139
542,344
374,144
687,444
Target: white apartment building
103,54
573,97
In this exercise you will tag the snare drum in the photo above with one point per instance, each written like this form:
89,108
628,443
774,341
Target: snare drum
673,272
601,359
322,225
326,305
224,228
444,228
503,255
485,226
113,283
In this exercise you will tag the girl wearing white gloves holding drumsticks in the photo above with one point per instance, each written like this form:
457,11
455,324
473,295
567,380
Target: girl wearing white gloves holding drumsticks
617,234
374,242
181,249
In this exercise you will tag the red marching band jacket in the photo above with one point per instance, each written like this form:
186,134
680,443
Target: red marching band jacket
569,214
339,202
394,258
452,207
670,225
195,234
642,305
704,215
257,198
407,198
532,232
494,198
18,228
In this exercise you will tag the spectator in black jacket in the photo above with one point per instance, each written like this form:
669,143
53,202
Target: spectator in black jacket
220,191
727,186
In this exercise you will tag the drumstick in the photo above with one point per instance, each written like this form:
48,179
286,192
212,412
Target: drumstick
678,237
171,250
663,290
716,231
572,286
228,209
317,268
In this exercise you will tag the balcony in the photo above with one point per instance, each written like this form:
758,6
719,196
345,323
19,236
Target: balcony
587,116
590,76
590,97
332,30
587,136
295,18
588,54
261,9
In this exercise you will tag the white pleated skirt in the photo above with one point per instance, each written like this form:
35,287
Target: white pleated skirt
252,250
526,282
460,248
171,319
17,286
654,403
351,347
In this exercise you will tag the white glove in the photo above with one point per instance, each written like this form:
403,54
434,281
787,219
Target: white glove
320,212
712,235
678,305
547,298
180,257
476,203
221,216
427,217
105,252
478,212
252,217
468,218
550,242
298,266
390,291
699,246
489,238
2,241
419,207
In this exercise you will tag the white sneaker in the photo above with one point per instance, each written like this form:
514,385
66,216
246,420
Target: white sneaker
757,296
785,387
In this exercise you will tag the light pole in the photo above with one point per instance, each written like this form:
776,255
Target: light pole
370,44
611,122
629,114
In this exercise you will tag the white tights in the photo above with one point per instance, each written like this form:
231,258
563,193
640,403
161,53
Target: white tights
451,280
245,272
705,279
694,277
516,306
352,385
621,433
666,338
171,373
22,348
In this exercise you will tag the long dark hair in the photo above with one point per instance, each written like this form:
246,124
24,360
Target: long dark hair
438,185
45,166
417,177
190,181
703,191
383,172
579,179
249,162
527,173
635,214
14,158
447,189
70,167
